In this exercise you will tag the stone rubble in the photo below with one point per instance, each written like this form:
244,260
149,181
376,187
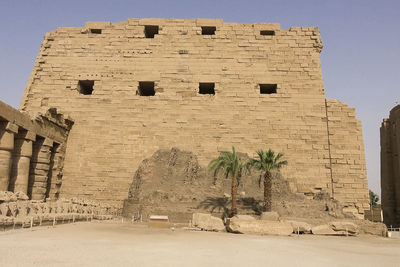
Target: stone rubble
247,224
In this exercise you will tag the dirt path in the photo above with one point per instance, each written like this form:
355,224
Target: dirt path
113,244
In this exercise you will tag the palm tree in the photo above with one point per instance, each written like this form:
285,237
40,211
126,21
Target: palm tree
373,198
266,162
232,166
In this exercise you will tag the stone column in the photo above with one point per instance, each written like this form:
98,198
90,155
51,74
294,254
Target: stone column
39,170
21,161
388,197
7,131
54,182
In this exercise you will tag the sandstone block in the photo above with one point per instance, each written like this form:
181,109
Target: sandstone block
97,24
323,229
261,227
207,222
348,227
209,22
373,228
328,229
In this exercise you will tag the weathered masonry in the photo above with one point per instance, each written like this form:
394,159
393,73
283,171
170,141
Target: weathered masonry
201,85
390,168
32,152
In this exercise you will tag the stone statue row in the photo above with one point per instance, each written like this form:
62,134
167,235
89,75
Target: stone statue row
17,209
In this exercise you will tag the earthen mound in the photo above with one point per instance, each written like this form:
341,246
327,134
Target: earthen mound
172,182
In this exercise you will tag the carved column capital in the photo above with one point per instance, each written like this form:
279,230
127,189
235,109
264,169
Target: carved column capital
11,127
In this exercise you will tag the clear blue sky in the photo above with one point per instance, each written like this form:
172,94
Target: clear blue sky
360,59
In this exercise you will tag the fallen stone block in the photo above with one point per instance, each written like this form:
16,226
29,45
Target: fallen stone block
207,222
323,229
347,227
372,228
327,229
262,227
270,216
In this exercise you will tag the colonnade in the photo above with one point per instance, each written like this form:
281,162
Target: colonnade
26,161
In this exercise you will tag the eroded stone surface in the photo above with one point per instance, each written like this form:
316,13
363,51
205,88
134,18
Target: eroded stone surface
324,229
345,226
207,222
116,126
336,228
261,227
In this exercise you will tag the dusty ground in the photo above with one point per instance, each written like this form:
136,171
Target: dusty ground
117,244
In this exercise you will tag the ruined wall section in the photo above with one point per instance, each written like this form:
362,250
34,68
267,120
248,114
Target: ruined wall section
349,177
390,168
115,129
28,151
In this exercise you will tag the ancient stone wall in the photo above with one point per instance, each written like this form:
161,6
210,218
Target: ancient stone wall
216,85
347,156
28,152
390,168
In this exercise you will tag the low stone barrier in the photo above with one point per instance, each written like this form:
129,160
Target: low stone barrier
17,210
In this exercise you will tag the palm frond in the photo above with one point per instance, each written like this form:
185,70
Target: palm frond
266,160
229,162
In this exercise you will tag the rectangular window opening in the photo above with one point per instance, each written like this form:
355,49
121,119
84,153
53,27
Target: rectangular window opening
268,88
146,89
150,31
85,87
207,88
208,30
267,32
95,31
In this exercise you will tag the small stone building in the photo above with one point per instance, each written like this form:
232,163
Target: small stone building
201,85
390,168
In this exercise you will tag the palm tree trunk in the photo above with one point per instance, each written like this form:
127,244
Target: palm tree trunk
267,191
233,194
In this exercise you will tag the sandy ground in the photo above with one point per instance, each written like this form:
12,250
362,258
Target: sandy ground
117,244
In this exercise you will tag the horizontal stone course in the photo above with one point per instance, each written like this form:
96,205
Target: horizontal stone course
115,128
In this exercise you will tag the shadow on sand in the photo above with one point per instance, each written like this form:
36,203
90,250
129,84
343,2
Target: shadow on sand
221,204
